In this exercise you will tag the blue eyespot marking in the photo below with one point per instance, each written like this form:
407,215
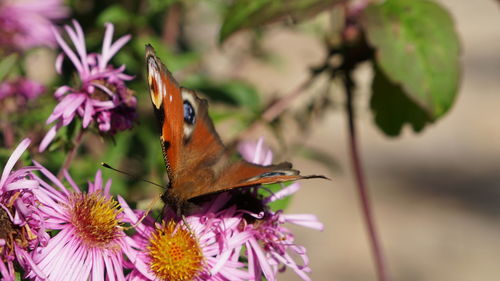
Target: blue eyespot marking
189,114
272,174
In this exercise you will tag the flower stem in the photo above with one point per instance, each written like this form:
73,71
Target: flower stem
8,134
71,154
361,184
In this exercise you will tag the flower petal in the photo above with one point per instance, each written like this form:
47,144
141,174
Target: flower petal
23,145
48,138
71,55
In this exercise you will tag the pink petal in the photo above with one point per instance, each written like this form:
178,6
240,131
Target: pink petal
52,178
71,55
21,147
61,91
59,62
106,44
306,220
290,263
117,46
71,182
21,184
80,45
70,109
60,107
264,265
287,191
87,114
107,187
48,138
97,182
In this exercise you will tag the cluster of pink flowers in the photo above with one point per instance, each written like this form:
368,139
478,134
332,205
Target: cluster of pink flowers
21,90
91,241
101,95
53,229
27,23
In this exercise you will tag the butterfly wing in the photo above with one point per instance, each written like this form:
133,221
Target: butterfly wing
165,96
197,161
191,146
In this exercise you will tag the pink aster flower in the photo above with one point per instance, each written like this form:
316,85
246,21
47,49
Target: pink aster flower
21,227
90,242
20,90
27,23
208,249
101,95
272,247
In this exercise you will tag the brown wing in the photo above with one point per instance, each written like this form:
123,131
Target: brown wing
245,174
167,103
197,161
191,147
205,167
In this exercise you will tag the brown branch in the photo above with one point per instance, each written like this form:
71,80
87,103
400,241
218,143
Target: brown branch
171,25
361,184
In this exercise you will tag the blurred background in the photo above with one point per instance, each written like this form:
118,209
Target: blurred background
435,192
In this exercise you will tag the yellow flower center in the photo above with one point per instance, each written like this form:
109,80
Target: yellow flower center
95,218
174,253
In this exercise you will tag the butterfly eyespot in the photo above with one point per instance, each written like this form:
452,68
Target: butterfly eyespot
189,114
272,174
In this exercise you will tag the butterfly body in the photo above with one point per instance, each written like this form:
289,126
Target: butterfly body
197,161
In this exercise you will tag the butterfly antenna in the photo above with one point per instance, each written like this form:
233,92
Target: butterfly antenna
130,175
146,213
186,224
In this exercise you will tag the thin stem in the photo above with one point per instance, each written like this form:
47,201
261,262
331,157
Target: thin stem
71,154
171,30
361,185
8,134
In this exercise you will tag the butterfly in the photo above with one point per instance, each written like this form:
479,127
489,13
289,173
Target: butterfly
197,161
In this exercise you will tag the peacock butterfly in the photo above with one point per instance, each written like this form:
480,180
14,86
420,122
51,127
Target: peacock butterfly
197,161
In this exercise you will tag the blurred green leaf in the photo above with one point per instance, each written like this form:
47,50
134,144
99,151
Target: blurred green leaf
280,204
252,13
392,108
4,155
237,93
116,14
218,116
6,65
158,6
417,48
319,156
173,61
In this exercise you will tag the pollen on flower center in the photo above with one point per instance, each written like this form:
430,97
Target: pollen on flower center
94,218
174,253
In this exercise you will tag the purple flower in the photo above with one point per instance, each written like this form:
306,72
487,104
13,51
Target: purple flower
272,247
207,249
101,95
21,226
90,242
19,90
27,23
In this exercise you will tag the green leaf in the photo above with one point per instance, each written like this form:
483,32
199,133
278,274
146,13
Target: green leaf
319,156
417,48
173,61
252,13
280,204
116,14
6,65
233,92
392,108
